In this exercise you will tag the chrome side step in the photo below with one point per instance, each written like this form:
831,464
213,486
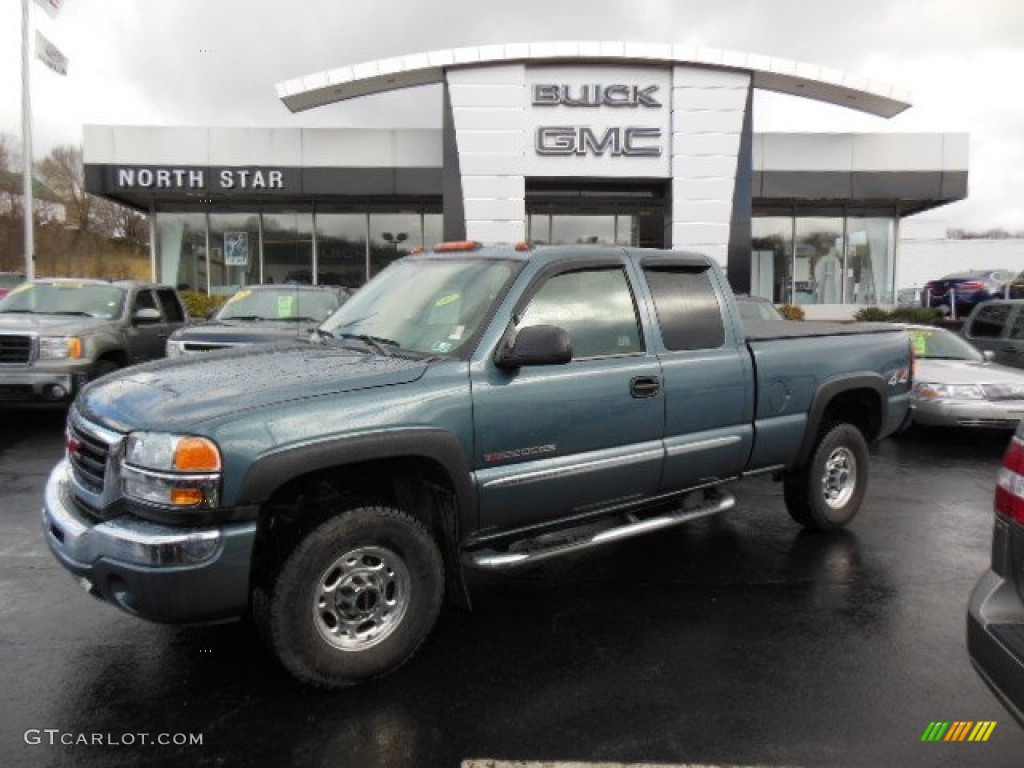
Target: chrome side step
576,540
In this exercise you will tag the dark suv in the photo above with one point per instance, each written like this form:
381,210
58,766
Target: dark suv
258,314
56,334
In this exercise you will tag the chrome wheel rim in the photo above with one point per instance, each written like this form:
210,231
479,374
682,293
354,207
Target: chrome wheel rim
361,598
840,478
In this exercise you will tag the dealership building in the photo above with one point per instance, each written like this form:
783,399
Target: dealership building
576,142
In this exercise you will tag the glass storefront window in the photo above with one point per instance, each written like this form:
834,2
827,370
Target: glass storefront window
771,258
341,248
287,247
234,251
181,250
870,266
433,230
572,230
539,231
818,261
392,236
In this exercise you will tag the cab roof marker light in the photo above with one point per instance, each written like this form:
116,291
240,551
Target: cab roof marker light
458,245
523,246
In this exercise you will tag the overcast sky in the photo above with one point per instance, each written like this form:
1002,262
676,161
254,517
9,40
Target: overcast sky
216,62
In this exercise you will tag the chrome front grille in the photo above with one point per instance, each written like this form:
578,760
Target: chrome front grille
93,452
15,350
89,456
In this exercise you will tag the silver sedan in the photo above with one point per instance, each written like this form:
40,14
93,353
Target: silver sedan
955,385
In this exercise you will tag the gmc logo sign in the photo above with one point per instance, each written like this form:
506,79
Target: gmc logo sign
558,140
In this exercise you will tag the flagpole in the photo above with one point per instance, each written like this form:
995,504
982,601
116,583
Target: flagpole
26,147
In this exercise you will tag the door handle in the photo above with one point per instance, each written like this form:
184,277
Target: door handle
644,386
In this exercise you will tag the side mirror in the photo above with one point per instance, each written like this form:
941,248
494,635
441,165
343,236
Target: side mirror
535,345
147,316
989,355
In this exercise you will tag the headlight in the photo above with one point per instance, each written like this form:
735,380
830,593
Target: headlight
175,348
178,471
60,347
929,391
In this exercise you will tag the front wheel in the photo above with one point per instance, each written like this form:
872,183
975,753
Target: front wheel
826,494
354,599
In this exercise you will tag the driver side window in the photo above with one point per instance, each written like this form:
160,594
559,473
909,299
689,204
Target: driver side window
596,308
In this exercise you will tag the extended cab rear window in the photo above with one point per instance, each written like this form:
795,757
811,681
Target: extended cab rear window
687,306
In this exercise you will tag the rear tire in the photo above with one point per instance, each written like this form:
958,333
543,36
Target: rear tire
826,494
354,599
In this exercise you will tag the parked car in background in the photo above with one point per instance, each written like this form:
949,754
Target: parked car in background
259,314
753,308
9,280
1015,288
959,292
998,327
955,385
995,612
57,334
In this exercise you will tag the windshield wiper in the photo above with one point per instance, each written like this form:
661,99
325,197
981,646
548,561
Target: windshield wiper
76,313
244,318
376,343
20,312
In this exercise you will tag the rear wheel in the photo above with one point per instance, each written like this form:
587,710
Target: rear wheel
827,493
354,599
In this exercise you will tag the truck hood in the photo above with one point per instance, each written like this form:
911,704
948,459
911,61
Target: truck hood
181,393
54,325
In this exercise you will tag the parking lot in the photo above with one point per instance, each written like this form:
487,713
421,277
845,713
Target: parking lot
737,640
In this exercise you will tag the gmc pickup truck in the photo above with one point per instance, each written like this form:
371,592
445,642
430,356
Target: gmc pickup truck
469,407
58,333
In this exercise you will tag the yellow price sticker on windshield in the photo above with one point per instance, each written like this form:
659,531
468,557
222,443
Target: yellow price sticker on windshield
919,342
451,298
20,289
285,306
239,296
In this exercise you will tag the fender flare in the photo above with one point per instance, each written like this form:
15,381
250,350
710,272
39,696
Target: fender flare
270,472
826,393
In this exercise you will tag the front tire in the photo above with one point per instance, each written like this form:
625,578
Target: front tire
354,599
826,494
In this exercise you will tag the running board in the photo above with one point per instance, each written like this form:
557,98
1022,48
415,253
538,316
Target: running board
570,541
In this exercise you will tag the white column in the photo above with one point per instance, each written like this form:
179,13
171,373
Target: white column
708,108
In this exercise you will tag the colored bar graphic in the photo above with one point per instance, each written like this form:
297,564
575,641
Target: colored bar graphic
958,730
982,731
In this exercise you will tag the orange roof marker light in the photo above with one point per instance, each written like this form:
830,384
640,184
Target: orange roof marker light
458,245
523,246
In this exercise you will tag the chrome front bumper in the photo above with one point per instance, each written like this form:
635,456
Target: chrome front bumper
159,572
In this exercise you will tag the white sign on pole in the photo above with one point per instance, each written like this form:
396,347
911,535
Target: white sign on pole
50,55
52,7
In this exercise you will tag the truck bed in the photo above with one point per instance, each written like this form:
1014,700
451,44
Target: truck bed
768,330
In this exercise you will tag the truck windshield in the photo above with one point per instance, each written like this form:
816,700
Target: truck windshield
65,298
432,306
283,303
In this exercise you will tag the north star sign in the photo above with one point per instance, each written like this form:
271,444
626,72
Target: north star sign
195,178
616,141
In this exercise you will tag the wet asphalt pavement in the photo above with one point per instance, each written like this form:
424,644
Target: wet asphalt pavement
737,640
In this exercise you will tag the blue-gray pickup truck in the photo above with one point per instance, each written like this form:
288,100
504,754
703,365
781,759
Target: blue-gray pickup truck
470,407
